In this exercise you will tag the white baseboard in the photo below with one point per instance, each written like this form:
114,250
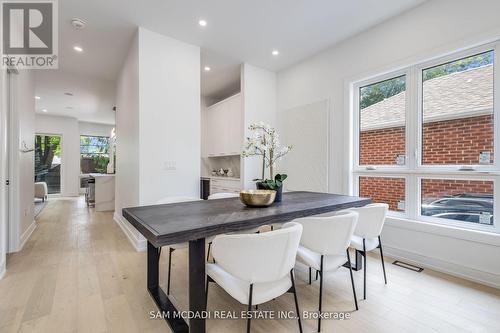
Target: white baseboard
486,278
139,243
26,235
2,269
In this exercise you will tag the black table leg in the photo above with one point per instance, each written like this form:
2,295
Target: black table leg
359,261
177,324
197,284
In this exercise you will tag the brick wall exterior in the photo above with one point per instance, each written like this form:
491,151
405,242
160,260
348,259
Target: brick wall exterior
383,189
437,188
381,146
457,141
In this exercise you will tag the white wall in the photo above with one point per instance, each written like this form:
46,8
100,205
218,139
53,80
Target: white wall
258,88
94,129
21,166
127,133
67,128
169,102
413,36
3,170
157,124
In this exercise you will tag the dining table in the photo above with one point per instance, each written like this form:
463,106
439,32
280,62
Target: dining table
194,221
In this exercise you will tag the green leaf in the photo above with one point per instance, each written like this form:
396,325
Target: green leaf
280,177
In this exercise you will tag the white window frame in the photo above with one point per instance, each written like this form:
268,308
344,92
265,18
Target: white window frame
357,121
495,47
413,170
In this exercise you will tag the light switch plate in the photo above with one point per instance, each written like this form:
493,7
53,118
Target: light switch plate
169,165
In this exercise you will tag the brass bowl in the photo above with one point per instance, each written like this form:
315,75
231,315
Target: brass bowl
257,198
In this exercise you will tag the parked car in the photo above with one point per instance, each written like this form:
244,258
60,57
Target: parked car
474,195
468,217
467,207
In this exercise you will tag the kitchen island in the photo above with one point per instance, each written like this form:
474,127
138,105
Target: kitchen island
104,191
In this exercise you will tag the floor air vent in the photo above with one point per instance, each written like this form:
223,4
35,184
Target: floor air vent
408,266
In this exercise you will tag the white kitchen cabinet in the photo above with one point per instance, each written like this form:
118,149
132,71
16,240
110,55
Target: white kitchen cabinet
229,185
234,115
224,128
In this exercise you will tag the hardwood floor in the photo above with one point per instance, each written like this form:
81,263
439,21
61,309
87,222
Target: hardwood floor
79,273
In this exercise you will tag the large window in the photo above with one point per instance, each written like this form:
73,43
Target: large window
382,123
94,154
457,111
425,136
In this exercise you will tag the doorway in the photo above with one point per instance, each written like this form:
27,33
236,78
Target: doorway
48,161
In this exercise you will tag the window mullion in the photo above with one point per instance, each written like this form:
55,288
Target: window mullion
412,118
496,105
412,137
411,194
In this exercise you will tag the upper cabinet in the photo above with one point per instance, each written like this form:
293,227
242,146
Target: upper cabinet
223,133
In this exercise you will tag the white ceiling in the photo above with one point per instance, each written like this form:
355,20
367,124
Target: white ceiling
223,79
92,99
238,31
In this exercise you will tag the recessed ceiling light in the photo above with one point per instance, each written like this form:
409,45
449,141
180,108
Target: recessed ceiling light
207,69
37,97
78,23
202,23
77,49
68,107
44,110
68,94
275,52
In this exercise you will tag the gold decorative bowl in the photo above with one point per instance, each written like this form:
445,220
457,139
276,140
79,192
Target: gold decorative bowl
257,198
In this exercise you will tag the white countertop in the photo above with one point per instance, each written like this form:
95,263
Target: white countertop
222,177
101,175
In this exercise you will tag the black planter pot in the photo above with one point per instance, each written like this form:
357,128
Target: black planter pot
261,186
279,194
279,191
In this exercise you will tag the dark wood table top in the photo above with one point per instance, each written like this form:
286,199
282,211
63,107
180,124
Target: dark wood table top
180,222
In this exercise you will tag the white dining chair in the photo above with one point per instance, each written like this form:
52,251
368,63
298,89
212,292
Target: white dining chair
173,247
256,268
367,234
325,247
